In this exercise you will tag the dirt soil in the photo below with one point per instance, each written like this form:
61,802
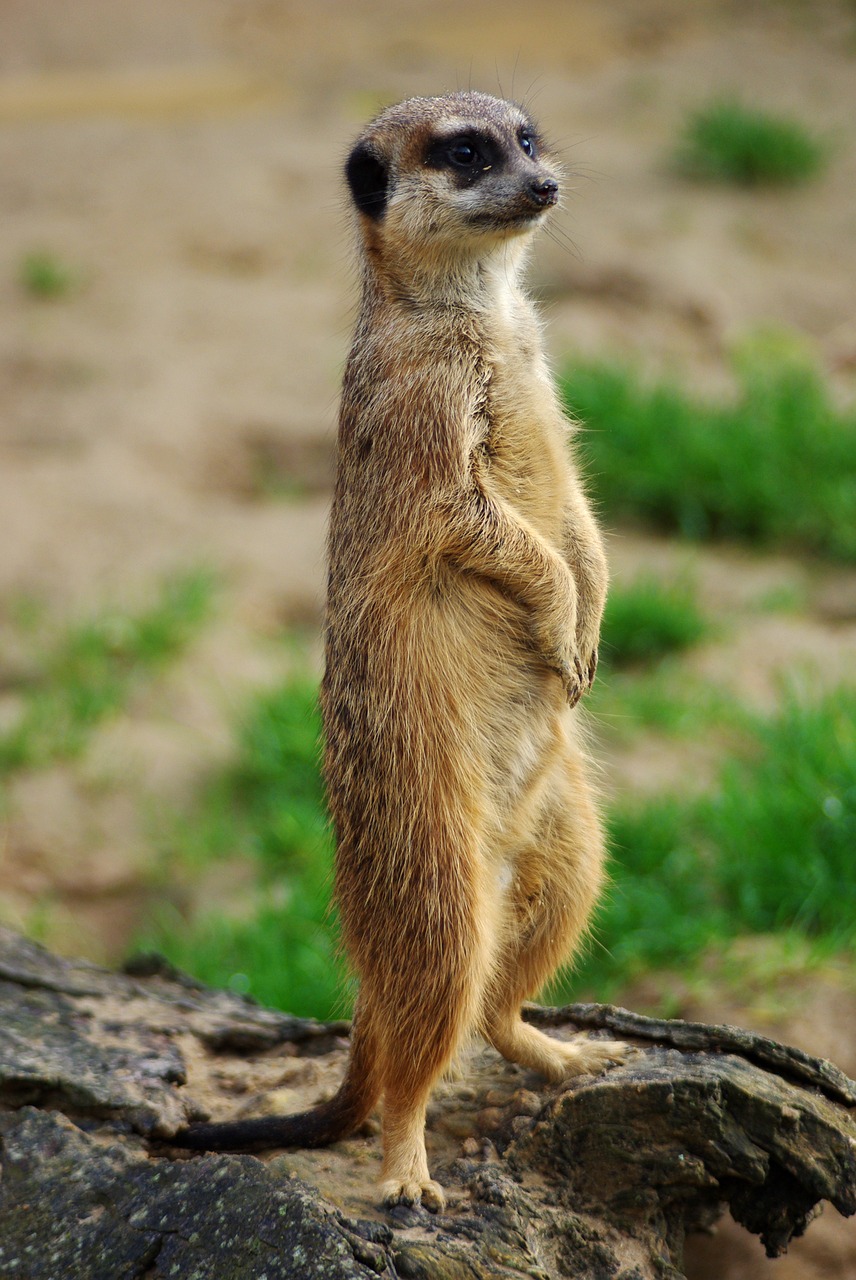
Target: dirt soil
184,161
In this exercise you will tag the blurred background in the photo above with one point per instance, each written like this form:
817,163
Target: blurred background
176,296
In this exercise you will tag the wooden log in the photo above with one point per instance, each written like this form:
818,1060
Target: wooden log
599,1181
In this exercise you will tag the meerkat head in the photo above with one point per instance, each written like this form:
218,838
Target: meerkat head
450,176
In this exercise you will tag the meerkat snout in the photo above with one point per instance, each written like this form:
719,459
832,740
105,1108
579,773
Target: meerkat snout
544,191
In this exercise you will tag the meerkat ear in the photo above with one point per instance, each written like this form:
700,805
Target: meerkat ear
367,177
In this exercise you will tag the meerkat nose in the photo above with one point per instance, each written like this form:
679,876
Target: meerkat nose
544,191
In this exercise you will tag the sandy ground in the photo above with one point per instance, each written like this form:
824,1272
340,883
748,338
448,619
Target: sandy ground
184,160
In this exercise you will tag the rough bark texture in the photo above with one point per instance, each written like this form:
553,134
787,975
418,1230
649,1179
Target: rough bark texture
600,1181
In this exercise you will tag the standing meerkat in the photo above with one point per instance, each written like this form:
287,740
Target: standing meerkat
467,580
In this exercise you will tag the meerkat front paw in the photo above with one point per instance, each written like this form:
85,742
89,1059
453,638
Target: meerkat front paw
429,1193
575,664
573,677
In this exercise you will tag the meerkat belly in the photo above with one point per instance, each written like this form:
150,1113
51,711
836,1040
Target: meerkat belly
516,713
482,654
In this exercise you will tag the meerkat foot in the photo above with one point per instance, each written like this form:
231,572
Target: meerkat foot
428,1193
558,1060
582,1056
405,1178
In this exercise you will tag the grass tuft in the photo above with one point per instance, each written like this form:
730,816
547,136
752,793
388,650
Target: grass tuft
267,806
784,826
283,955
648,620
729,141
769,850
777,465
89,672
44,275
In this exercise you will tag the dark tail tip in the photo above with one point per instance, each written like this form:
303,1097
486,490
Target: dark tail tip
315,1128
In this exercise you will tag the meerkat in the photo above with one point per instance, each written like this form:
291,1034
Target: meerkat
467,579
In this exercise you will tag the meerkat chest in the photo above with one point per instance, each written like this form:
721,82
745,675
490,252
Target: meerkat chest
527,444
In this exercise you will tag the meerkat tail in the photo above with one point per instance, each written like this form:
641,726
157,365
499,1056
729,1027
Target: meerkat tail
318,1127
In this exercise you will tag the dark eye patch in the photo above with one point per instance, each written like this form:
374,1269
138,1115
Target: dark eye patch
468,154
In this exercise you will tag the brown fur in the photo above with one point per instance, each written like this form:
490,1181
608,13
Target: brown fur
467,582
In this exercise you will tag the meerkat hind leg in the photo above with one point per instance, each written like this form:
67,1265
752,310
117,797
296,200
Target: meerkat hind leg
425,1040
432,1018
559,875
557,1060
405,1178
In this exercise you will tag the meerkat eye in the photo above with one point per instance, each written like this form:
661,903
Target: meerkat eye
527,142
464,155
468,155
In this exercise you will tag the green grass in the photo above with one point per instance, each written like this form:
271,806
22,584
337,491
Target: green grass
268,807
44,275
657,911
728,141
774,466
769,850
267,804
641,683
89,672
783,825
648,620
665,699
284,955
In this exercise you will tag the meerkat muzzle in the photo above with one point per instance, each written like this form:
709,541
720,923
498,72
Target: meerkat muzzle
543,192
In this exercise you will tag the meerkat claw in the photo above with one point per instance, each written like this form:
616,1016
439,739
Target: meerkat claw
591,671
429,1194
573,681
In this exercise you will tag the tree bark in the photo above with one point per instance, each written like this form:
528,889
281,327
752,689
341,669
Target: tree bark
598,1181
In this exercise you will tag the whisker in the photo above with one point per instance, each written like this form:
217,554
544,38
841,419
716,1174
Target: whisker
514,72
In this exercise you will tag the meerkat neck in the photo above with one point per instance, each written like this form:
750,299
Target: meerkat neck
466,282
